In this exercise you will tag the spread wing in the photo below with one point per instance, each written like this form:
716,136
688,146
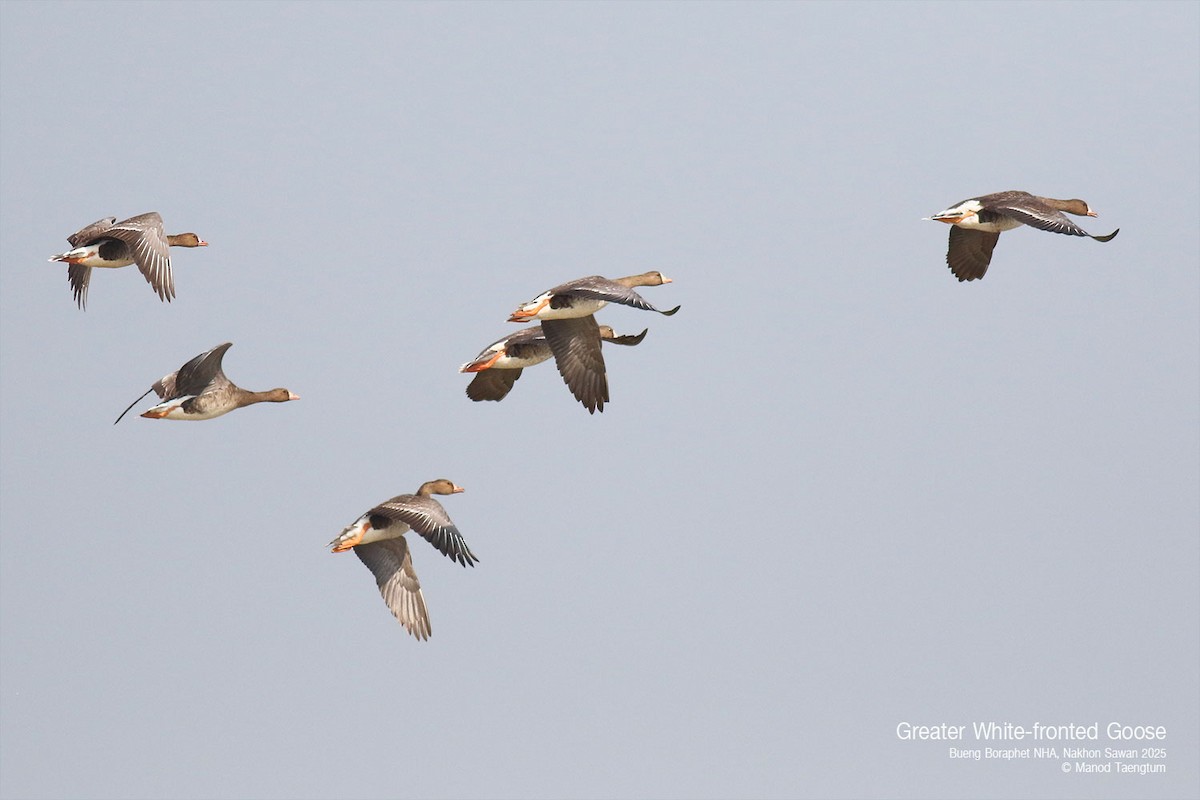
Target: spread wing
576,346
134,403
90,233
391,563
195,376
148,245
970,252
1040,216
427,517
79,277
629,340
492,384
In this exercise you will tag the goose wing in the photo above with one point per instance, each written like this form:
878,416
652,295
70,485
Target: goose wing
79,277
90,233
1034,213
391,564
596,287
148,245
1043,217
526,343
629,340
970,252
576,347
492,384
197,375
427,517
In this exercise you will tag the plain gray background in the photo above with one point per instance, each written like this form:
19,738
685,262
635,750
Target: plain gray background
838,491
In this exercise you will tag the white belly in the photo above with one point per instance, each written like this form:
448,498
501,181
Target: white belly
174,410
580,308
90,257
510,362
393,531
998,226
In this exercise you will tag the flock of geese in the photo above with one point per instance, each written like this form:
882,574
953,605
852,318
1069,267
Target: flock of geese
567,331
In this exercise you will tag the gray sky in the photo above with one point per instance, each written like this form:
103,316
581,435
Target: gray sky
838,491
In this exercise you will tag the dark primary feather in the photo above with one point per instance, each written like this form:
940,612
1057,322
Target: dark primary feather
196,375
492,384
134,403
970,252
79,278
576,346
629,340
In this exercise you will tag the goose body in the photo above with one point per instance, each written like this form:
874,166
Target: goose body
199,390
585,296
109,244
978,222
377,538
499,365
